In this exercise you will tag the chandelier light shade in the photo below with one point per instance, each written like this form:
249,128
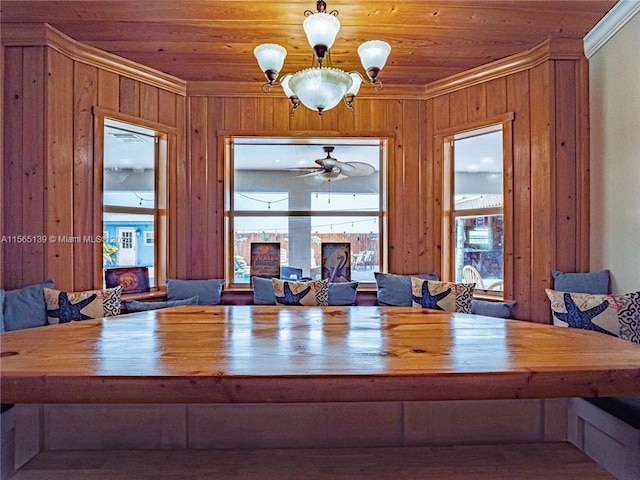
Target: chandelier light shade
270,58
321,87
321,29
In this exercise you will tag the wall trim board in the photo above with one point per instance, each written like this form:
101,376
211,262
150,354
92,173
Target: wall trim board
553,48
621,13
43,34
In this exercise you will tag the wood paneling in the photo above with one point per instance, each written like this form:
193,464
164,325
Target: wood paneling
51,177
213,40
50,163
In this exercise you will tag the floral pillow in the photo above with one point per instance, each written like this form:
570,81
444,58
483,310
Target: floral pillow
452,297
310,294
63,307
586,311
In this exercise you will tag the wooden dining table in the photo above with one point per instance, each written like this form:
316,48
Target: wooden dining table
247,354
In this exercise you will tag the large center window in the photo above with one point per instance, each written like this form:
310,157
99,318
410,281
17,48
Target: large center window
302,194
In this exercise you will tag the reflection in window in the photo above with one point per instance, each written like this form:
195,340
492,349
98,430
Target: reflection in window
129,196
478,230
283,193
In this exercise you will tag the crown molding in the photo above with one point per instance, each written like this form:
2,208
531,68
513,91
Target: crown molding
553,48
621,13
44,35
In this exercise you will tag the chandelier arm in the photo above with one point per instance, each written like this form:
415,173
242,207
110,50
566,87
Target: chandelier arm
335,13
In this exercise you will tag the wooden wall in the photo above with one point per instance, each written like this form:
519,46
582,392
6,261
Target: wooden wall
50,184
547,90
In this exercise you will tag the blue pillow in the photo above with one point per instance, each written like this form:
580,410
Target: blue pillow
25,307
395,290
207,291
263,293
1,310
340,293
136,306
491,309
343,293
595,283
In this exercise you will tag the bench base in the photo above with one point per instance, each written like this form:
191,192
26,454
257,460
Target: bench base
486,462
608,440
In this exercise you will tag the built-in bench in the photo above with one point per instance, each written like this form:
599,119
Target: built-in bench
608,430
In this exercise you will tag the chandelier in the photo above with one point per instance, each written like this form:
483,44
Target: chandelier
321,87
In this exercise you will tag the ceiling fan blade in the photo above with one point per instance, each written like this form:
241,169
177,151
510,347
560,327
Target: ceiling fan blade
357,169
310,174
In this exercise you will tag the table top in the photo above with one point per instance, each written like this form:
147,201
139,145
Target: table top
208,354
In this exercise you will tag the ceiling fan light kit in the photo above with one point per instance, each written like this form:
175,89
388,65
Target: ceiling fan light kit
321,87
330,169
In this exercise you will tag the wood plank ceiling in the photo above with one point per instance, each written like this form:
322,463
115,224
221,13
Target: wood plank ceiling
211,40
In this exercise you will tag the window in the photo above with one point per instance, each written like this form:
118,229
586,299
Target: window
292,191
474,206
130,195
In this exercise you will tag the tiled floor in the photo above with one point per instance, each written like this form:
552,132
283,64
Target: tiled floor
495,462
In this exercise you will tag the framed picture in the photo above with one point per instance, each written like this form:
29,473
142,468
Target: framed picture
132,279
265,259
336,261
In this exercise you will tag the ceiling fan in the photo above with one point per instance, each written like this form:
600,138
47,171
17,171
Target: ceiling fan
330,169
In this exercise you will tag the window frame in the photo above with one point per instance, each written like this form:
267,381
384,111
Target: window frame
444,145
227,139
165,145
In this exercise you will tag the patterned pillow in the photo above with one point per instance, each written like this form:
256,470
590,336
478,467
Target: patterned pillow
310,294
629,316
136,306
587,311
452,297
63,307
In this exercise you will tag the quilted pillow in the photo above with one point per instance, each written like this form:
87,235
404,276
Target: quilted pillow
587,311
452,297
24,307
310,294
590,282
395,290
207,291
136,306
63,307
629,317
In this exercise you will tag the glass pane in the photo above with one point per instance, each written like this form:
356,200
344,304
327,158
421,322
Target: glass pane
301,239
479,251
129,165
281,176
129,240
478,160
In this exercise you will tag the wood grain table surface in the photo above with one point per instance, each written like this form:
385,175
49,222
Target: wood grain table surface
248,354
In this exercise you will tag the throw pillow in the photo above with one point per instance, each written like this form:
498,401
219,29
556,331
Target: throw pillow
592,282
207,291
586,311
629,316
452,297
263,293
343,293
136,306
491,309
395,290
25,307
310,294
63,307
